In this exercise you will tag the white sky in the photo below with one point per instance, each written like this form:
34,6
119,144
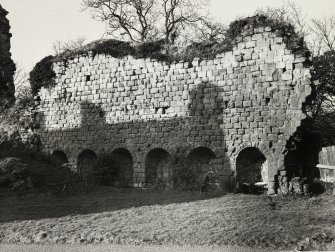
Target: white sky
37,24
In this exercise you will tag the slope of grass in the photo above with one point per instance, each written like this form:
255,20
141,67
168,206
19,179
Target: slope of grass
137,217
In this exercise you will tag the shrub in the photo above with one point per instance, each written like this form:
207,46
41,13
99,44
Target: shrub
118,49
184,176
24,98
153,50
229,185
329,186
106,168
312,187
115,48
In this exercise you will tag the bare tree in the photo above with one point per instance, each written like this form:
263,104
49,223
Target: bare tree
59,46
24,97
289,12
22,87
211,30
324,30
21,77
178,14
132,20
145,20
205,30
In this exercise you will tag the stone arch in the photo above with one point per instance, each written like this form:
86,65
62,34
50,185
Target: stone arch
251,166
201,160
148,149
257,145
157,166
123,174
215,150
59,157
86,163
263,149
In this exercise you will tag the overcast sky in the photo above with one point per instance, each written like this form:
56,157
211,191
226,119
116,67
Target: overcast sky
37,24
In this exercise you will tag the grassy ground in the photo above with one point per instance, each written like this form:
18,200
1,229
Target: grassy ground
145,217
120,248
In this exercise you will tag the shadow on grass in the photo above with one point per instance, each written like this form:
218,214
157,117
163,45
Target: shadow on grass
80,201
205,106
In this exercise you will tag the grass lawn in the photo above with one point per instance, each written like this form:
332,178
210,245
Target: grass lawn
106,215
121,248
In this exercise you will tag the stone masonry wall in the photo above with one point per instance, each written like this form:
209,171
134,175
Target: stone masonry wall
7,66
251,96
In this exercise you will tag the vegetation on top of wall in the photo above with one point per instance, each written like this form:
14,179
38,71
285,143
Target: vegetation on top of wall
115,48
293,41
206,49
118,49
244,27
42,74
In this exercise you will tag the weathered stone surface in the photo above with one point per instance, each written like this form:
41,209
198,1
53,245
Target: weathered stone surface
7,66
245,98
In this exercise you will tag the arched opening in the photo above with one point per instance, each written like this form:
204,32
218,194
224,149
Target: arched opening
157,166
122,174
309,147
87,161
59,157
200,160
251,166
293,164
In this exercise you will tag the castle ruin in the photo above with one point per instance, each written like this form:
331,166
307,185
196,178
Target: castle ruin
232,114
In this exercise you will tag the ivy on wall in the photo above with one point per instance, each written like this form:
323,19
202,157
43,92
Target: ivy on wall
42,75
293,41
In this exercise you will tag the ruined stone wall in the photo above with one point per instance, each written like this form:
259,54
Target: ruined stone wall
251,96
13,121
7,66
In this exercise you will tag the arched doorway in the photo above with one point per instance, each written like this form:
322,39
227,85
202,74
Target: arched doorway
87,161
293,164
251,166
157,166
59,157
122,174
200,160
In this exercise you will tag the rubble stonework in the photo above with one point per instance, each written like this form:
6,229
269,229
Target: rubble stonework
7,66
251,96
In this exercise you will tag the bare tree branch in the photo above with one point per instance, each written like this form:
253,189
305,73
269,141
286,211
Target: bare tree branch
21,77
179,14
127,19
324,28
59,46
289,12
145,20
